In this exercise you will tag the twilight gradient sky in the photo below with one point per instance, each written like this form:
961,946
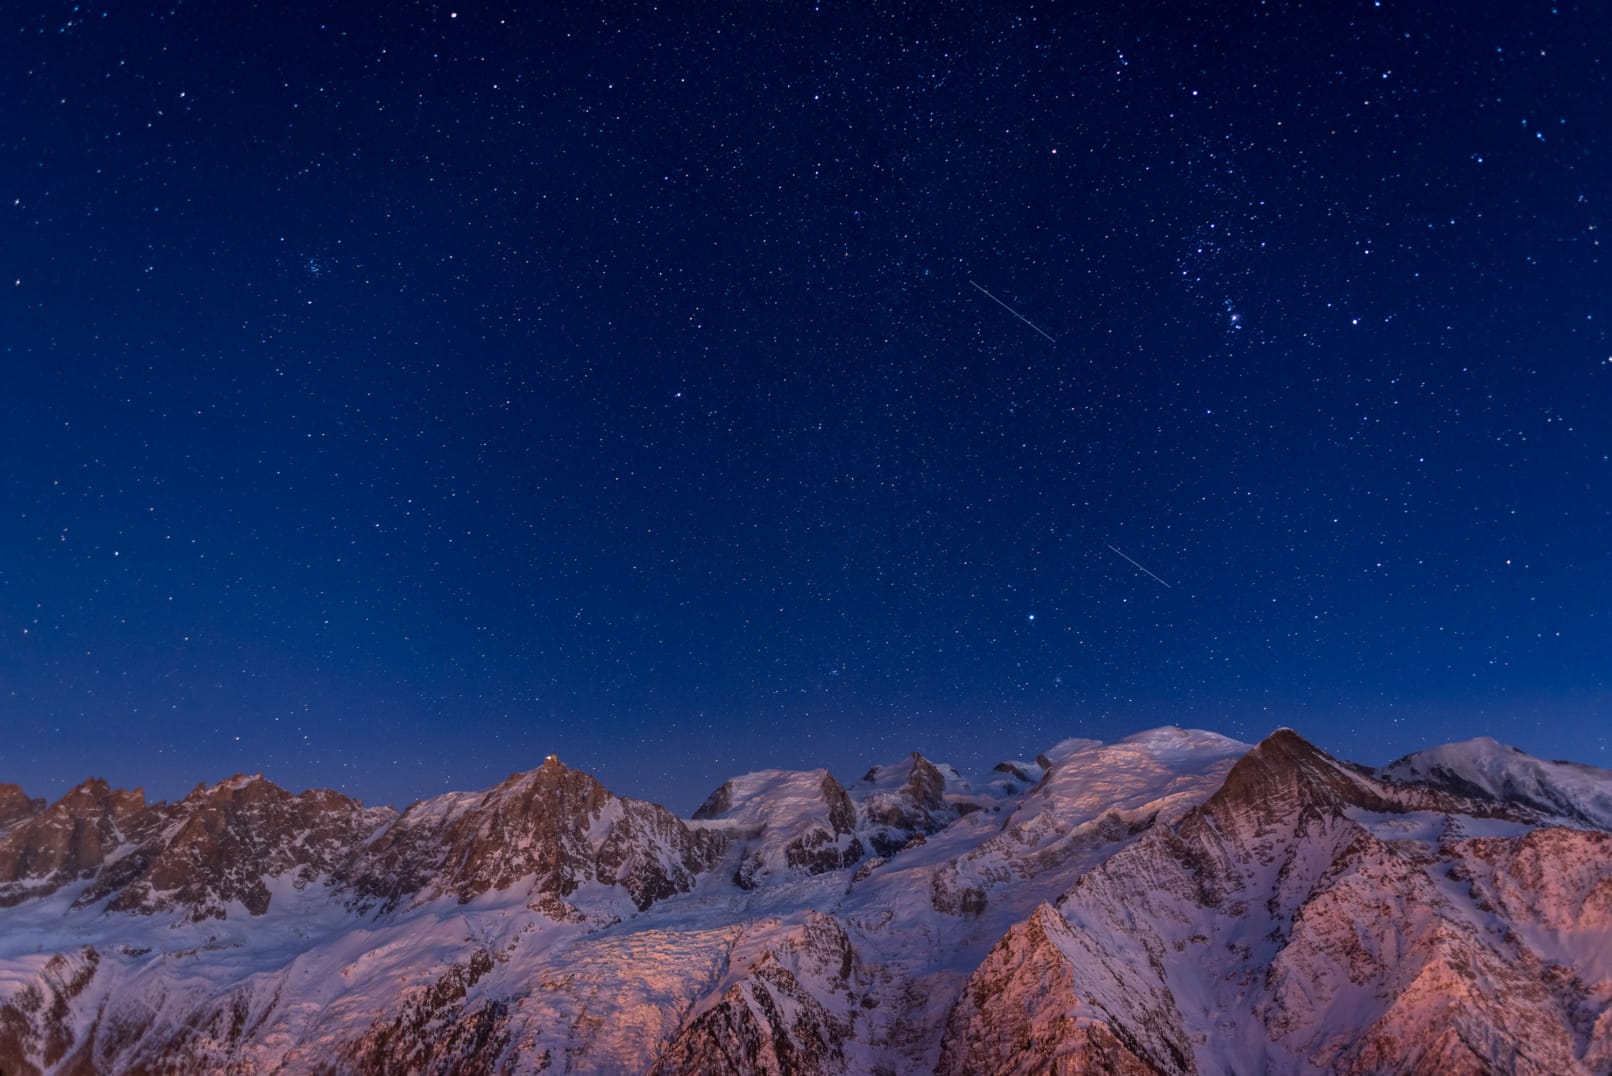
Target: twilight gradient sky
393,397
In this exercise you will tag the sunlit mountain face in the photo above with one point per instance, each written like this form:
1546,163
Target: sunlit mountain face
1173,902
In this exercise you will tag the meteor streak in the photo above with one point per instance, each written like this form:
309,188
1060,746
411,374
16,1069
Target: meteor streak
1021,317
1161,582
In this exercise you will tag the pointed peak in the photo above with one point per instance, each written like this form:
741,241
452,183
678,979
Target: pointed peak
554,772
717,804
1285,779
1283,735
98,792
899,770
1285,746
1285,775
251,783
552,782
1045,915
913,768
551,769
91,786
15,804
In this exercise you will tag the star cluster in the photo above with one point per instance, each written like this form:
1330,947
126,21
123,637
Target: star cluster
395,397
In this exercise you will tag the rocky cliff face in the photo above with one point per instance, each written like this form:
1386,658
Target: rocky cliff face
220,846
15,806
70,840
783,1010
1023,1012
549,831
1171,903
213,849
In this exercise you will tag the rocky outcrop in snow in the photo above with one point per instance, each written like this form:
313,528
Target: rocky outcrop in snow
909,800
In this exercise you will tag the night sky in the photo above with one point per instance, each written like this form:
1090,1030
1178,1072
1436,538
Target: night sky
394,397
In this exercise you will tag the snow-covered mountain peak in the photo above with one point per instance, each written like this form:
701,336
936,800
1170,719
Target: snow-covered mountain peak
888,778
1166,770
1485,768
1179,742
1064,749
787,823
909,800
1349,916
71,839
763,796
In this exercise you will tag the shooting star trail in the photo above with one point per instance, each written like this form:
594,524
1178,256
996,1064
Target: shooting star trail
1014,312
1161,582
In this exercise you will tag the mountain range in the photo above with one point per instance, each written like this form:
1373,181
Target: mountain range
1174,902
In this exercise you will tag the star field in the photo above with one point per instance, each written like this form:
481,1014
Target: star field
395,397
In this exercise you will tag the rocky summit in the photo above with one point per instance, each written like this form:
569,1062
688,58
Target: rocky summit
1175,902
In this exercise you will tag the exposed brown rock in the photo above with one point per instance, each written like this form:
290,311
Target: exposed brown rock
437,1030
1285,782
535,828
772,1020
70,839
221,845
16,806
1022,1013
36,1024
717,804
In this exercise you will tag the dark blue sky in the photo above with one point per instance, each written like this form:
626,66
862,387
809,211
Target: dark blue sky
392,398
